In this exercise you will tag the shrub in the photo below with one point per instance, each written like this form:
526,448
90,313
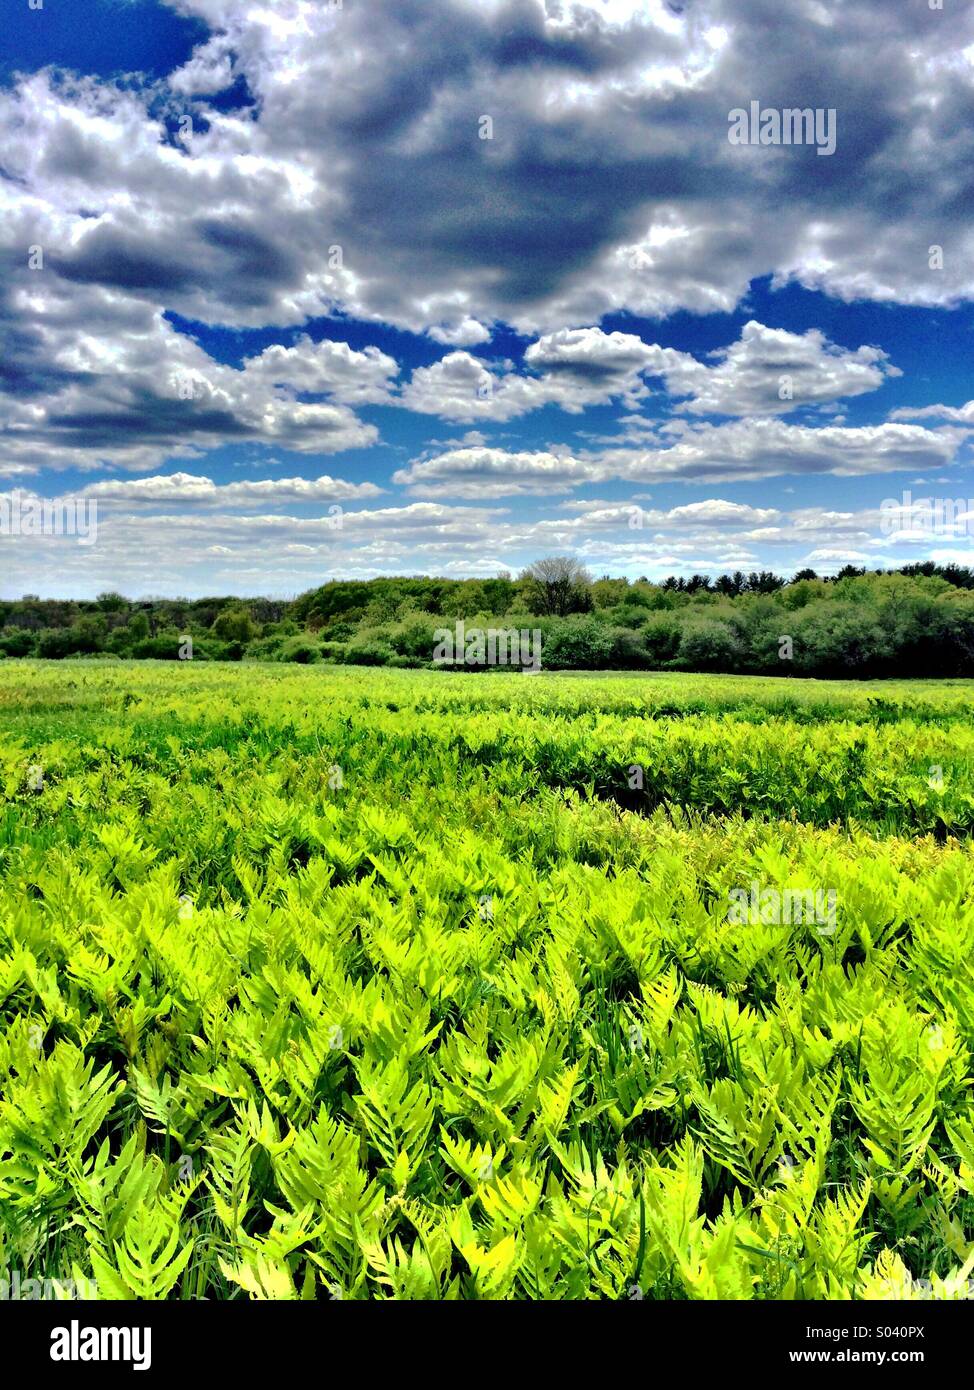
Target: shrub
631,614
165,647
582,644
415,639
57,642
234,624
266,648
337,632
628,647
299,649
18,642
709,645
661,637
369,654
840,639
333,651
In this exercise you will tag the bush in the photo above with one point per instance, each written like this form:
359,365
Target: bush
163,648
265,648
299,649
120,642
582,644
19,642
841,639
337,632
56,642
628,648
369,654
333,651
661,638
709,645
234,624
631,615
415,639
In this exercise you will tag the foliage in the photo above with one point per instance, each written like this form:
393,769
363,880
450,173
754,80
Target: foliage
389,985
915,623
557,586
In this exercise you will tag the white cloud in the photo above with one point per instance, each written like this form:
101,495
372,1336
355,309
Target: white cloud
770,371
356,185
955,414
328,368
742,450
111,382
766,372
467,332
189,487
760,448
487,472
609,184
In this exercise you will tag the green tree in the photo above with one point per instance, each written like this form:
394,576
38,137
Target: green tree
111,602
557,586
234,624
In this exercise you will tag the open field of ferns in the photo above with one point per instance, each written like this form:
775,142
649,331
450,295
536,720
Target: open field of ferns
388,984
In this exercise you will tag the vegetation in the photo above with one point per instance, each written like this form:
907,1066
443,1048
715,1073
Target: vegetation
380,984
918,622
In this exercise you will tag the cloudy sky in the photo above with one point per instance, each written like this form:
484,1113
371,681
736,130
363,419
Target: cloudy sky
297,290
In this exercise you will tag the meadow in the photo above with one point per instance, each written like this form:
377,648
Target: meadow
336,982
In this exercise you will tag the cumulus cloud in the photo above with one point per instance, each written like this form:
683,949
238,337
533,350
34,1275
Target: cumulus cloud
352,182
190,487
741,450
460,387
767,371
144,545
770,371
210,70
486,472
587,360
328,368
756,448
955,414
608,183
572,369
465,333
103,380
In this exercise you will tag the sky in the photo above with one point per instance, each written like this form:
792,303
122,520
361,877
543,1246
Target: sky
293,290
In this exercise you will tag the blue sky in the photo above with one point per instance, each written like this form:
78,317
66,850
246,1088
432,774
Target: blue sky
273,302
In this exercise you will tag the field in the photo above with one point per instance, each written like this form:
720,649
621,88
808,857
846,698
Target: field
391,984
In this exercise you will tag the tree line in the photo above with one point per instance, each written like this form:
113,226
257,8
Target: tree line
915,621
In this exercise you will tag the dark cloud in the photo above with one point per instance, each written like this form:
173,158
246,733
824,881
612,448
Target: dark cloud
121,260
355,180
609,182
